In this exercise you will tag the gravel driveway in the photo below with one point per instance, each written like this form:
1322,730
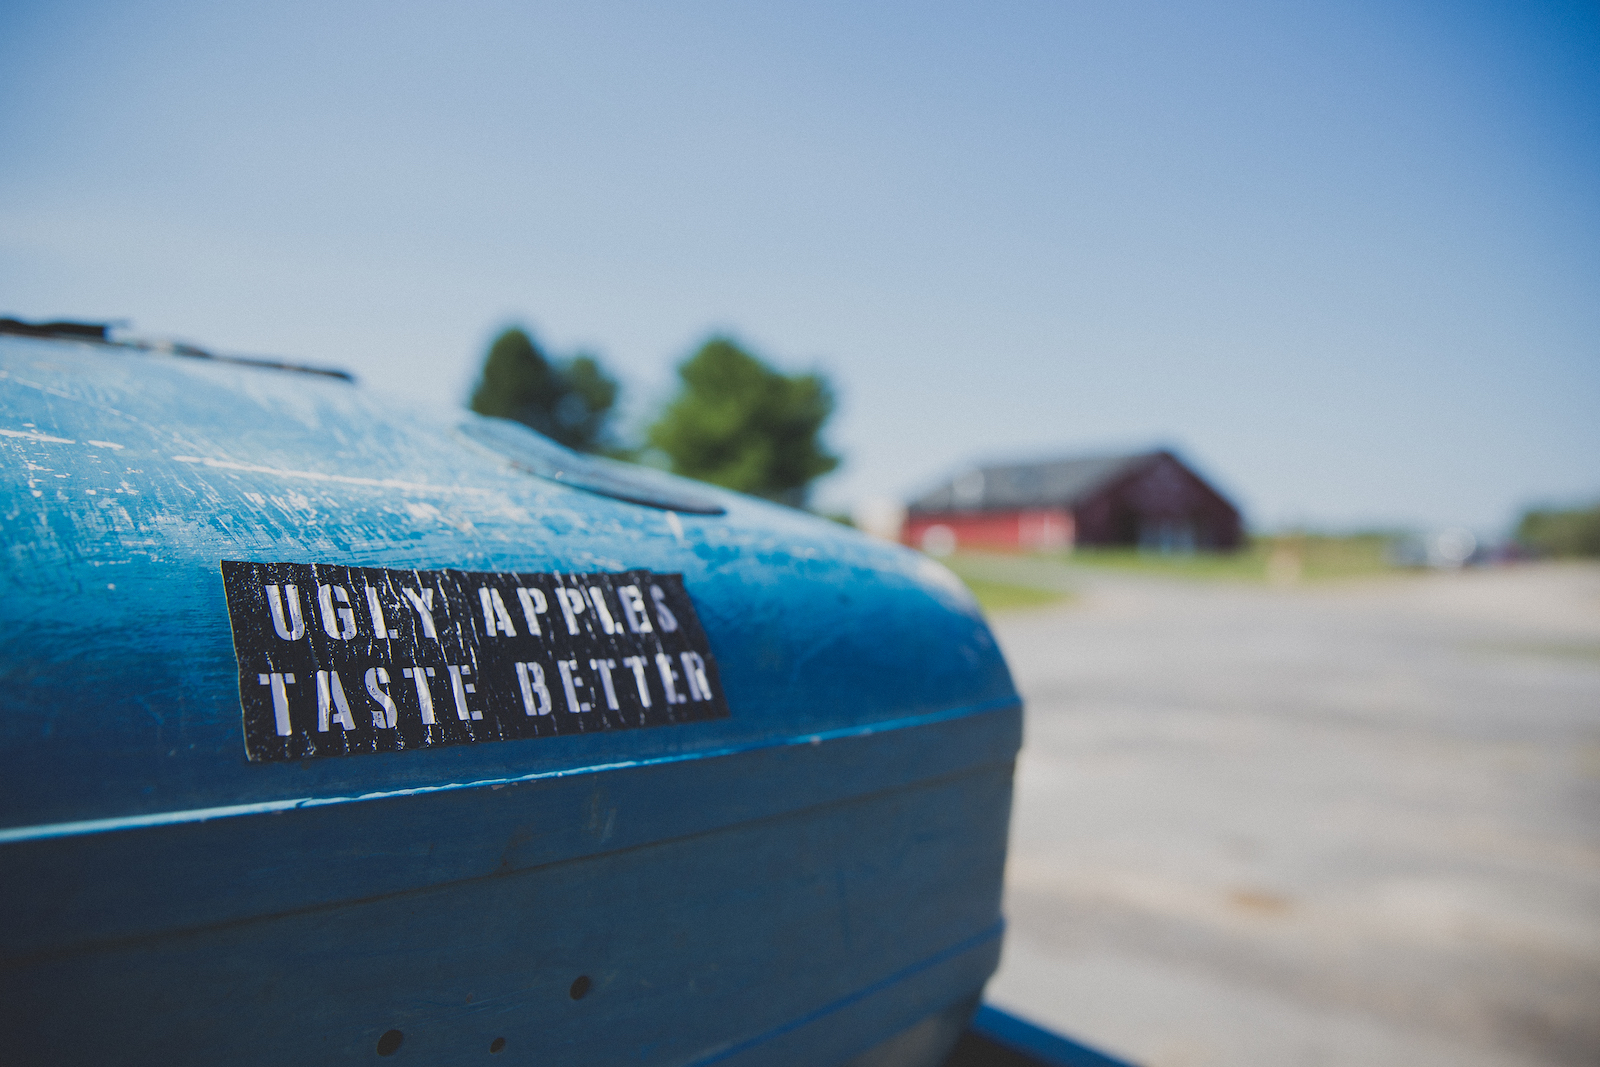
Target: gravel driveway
1338,824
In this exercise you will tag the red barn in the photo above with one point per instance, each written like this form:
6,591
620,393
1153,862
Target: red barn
1151,500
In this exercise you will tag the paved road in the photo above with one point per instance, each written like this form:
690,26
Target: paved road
1354,824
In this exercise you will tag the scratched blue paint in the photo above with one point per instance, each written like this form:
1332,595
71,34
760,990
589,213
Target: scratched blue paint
722,883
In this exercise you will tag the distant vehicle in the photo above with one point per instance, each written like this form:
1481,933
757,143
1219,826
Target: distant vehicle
1442,550
335,731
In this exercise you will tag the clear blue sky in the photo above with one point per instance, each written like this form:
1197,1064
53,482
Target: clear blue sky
1346,256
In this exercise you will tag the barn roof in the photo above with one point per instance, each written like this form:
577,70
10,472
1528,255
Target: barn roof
1051,483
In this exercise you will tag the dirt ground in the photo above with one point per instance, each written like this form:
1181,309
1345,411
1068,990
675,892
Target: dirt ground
1337,824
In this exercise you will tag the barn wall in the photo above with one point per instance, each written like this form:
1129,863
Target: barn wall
1161,506
1034,529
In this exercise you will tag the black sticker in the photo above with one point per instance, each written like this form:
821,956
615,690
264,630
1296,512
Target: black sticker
339,660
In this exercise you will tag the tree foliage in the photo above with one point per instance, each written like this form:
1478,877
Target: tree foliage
1561,533
569,401
738,423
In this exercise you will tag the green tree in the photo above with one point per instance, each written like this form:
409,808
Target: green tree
740,424
569,401
1561,533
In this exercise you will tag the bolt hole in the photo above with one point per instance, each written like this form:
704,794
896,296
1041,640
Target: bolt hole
580,987
389,1043
497,1045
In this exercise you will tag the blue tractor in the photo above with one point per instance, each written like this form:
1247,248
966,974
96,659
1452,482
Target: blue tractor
336,732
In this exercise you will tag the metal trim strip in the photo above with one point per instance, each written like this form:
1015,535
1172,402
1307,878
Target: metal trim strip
268,807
